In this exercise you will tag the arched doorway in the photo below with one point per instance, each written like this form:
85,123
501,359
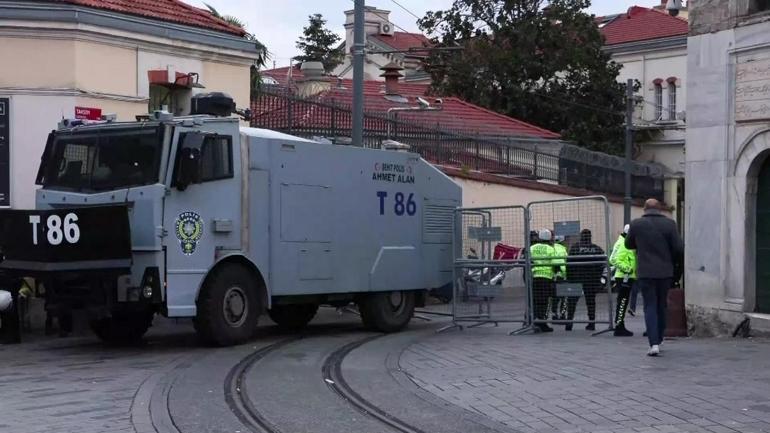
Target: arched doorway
763,239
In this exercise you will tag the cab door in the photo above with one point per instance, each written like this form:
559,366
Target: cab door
201,211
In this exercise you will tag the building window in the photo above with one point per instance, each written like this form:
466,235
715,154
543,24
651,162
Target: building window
658,100
759,6
671,100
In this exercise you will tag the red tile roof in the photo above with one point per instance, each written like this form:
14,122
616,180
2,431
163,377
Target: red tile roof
403,40
174,11
281,75
642,24
456,114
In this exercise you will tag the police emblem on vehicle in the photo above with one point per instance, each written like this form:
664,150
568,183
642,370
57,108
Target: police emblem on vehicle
189,230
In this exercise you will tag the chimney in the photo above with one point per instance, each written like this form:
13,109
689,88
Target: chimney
391,73
313,81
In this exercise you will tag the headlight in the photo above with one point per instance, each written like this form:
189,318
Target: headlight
5,300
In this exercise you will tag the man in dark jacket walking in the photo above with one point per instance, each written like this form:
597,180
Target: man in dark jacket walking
659,253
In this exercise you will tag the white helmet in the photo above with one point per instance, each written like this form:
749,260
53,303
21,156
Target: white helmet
544,235
5,300
625,229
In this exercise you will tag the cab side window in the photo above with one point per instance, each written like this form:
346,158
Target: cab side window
216,158
203,158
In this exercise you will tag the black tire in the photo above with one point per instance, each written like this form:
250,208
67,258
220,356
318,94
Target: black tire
228,306
292,317
123,327
387,311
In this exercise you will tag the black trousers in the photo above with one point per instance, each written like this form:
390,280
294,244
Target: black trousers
624,295
542,290
558,306
590,289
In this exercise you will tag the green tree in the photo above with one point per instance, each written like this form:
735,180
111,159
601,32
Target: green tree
262,55
536,60
319,44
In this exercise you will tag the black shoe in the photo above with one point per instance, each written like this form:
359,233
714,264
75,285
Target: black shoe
568,327
590,327
544,328
623,332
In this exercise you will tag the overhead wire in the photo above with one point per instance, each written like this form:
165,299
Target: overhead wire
405,9
577,104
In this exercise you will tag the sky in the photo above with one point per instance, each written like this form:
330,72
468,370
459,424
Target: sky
278,23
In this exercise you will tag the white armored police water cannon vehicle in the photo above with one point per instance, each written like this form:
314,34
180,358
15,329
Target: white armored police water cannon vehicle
198,217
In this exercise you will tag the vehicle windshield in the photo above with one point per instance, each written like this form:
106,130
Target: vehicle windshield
99,160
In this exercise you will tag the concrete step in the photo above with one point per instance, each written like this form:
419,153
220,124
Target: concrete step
760,324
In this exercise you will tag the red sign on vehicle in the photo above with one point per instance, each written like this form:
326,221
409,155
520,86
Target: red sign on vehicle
87,113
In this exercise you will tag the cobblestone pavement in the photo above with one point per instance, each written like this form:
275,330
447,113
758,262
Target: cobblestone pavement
560,382
79,385
572,382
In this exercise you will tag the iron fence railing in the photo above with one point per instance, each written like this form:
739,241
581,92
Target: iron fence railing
324,118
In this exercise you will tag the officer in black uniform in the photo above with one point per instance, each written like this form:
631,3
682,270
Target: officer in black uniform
589,275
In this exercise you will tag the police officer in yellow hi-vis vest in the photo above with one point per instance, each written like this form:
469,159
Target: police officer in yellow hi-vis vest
624,262
542,255
559,304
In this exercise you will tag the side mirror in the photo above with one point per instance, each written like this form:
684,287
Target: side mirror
188,166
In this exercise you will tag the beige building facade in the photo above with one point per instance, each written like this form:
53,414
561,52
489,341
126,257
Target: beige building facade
727,260
385,44
58,56
651,47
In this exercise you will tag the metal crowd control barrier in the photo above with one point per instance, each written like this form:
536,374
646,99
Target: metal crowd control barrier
490,267
573,286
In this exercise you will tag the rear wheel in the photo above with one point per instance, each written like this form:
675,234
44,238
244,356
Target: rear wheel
387,311
292,317
228,306
123,327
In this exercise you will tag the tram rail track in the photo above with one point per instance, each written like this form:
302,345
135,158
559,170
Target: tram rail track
335,380
237,396
236,393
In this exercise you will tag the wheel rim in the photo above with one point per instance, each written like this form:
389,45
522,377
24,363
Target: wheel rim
397,302
235,306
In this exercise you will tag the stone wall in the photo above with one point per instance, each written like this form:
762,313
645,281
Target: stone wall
709,16
711,322
728,137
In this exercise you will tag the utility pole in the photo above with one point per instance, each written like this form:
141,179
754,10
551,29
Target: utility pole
629,145
358,73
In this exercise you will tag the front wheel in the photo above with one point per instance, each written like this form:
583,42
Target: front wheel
228,306
387,311
292,317
123,327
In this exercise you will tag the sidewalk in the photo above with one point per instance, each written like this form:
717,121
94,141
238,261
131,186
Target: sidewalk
572,382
